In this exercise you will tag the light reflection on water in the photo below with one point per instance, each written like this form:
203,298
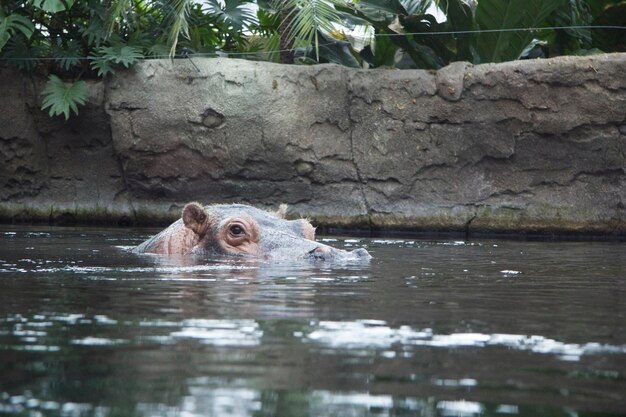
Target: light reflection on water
368,334
428,328
240,402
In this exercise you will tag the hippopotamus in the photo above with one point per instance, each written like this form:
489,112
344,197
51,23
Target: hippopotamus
242,230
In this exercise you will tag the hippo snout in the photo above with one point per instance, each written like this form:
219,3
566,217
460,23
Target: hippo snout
328,253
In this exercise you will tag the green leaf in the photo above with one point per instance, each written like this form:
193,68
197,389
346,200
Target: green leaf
500,15
14,23
159,49
382,54
587,52
432,46
4,38
101,65
235,13
117,12
598,7
611,40
61,98
94,33
268,6
393,7
68,55
337,52
53,6
263,48
180,24
121,54
424,56
22,54
308,18
416,6
460,19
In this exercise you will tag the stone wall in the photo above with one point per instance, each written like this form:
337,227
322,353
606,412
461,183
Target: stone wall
526,146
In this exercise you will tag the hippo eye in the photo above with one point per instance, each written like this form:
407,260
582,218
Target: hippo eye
236,230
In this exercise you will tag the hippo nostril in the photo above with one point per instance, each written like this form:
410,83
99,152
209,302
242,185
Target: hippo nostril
327,253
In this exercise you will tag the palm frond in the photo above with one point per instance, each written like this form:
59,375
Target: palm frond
235,13
180,23
308,18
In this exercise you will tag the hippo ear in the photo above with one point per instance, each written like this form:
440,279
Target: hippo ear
195,218
281,213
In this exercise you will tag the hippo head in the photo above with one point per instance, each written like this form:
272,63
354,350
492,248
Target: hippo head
237,229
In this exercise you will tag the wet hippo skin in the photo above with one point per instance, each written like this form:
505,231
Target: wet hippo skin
241,230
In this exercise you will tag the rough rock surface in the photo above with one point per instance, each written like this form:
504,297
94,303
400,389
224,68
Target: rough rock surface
526,146
56,170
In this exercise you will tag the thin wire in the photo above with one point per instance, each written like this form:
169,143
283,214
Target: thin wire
533,29
222,54
252,53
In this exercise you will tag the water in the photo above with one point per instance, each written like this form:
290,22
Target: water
427,328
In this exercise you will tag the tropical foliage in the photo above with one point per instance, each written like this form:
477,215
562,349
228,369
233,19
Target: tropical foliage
61,97
73,40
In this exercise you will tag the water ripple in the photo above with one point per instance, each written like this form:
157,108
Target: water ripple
221,332
375,334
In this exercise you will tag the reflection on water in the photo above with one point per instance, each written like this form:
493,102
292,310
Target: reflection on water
202,401
427,328
368,334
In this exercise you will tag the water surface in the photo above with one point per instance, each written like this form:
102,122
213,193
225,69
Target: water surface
427,328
